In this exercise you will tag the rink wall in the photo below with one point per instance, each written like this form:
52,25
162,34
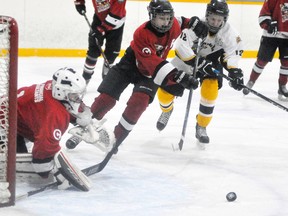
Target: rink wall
54,28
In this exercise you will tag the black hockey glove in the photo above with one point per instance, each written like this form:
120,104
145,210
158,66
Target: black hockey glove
199,27
236,76
81,8
205,67
272,27
186,80
97,33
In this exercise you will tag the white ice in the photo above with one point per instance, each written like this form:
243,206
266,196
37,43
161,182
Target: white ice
247,154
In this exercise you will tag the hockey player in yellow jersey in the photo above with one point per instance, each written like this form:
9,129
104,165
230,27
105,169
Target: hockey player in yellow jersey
221,48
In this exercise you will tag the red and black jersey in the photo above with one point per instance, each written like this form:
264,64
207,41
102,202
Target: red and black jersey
275,10
41,119
151,49
112,13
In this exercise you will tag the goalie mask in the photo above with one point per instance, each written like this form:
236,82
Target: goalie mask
217,13
69,88
161,15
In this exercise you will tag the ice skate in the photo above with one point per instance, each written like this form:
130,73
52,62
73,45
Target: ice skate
249,85
282,93
163,120
201,136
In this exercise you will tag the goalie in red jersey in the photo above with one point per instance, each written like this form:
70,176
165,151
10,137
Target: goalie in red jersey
108,24
145,66
43,116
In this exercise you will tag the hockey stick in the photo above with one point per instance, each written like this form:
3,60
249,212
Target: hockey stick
97,43
181,142
87,171
257,94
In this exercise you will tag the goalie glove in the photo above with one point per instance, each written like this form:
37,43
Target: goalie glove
93,134
186,80
236,76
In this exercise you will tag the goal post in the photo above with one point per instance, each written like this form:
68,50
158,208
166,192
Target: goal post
8,108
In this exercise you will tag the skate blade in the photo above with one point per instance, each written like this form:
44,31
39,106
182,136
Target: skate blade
282,98
200,145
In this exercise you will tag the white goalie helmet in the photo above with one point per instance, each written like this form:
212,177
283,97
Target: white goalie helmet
70,87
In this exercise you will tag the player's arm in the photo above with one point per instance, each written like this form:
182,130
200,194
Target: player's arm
265,17
116,16
151,65
233,49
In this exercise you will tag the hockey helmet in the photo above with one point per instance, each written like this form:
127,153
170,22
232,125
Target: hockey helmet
68,86
217,13
161,15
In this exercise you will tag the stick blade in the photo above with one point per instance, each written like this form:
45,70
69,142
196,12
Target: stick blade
180,144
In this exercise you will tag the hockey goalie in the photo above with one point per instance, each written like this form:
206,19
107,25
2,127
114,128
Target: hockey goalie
43,116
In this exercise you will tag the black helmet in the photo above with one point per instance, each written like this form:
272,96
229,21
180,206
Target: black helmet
162,7
220,8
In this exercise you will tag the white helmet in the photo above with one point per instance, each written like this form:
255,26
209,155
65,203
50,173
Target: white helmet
68,86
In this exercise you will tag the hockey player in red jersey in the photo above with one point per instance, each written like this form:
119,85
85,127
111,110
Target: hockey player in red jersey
43,115
144,65
108,24
273,19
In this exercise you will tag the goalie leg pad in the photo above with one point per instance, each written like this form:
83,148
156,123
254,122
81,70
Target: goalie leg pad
70,172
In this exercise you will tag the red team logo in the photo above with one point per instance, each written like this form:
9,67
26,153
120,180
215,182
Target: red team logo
57,134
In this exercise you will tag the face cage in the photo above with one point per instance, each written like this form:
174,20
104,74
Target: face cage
163,28
215,29
75,97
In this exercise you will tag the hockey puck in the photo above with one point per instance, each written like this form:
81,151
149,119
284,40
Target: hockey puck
231,196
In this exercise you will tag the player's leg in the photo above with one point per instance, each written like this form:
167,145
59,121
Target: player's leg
209,94
93,52
265,54
112,48
166,102
283,72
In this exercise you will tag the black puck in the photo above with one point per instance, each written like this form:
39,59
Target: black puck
231,196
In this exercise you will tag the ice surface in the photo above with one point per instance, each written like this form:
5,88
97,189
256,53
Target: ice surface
247,154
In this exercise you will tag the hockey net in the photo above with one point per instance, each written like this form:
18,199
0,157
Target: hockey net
8,108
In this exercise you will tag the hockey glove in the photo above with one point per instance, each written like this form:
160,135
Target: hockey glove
186,80
200,28
272,27
81,8
97,33
236,76
205,67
